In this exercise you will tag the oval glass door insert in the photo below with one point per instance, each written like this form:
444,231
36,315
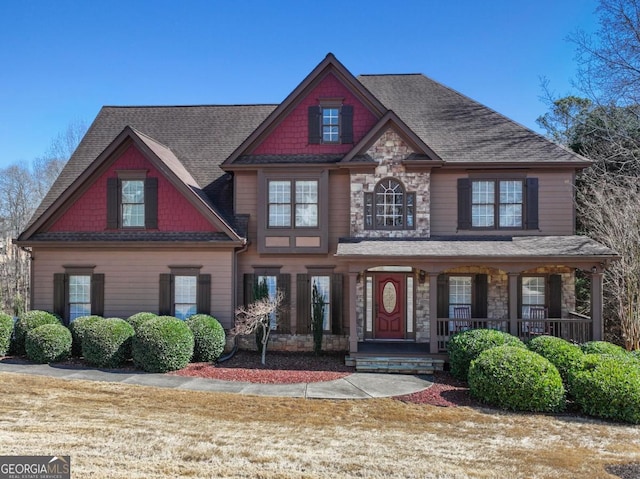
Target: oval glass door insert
389,297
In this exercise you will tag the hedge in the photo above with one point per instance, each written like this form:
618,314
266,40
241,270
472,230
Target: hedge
137,319
162,344
107,343
49,343
603,347
78,328
467,346
209,337
28,321
515,378
562,354
607,387
6,330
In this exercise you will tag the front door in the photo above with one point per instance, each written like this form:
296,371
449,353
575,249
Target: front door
390,306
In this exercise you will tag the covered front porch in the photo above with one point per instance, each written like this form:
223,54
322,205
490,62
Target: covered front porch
418,293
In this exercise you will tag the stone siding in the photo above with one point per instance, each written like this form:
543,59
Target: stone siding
295,343
389,151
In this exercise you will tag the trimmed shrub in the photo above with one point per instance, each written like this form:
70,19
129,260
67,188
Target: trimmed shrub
208,335
137,319
78,328
467,346
607,387
562,354
28,321
517,379
107,343
6,330
636,354
49,343
603,347
162,344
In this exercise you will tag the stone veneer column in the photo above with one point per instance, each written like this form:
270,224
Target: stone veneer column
353,320
513,303
596,306
433,312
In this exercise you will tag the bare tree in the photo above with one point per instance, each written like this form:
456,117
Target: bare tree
258,317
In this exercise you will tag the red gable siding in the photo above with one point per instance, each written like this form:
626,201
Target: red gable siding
292,134
89,212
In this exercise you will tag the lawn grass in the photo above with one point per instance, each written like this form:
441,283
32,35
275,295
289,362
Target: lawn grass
123,431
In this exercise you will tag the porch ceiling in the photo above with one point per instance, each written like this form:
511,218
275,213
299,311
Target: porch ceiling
519,248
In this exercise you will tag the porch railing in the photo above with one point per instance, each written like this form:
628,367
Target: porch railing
577,329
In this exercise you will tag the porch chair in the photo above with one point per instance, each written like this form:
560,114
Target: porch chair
537,325
462,319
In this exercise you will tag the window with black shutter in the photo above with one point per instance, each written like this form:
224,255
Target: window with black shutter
132,201
184,292
78,292
330,123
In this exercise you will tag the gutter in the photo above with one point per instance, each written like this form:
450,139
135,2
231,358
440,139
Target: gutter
234,349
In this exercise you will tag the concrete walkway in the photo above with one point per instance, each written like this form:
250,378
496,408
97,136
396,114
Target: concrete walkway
354,386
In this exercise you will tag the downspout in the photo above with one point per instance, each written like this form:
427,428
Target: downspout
234,349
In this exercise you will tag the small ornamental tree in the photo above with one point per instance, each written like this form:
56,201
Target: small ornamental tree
319,304
260,292
256,318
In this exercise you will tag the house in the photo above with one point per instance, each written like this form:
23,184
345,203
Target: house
415,210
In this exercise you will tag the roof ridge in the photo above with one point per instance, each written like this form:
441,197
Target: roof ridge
214,105
390,74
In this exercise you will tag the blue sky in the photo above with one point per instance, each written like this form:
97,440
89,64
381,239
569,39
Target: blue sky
62,60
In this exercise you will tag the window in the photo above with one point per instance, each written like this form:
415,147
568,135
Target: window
132,203
298,207
322,285
185,300
533,293
459,293
79,296
509,209
330,125
389,207
267,286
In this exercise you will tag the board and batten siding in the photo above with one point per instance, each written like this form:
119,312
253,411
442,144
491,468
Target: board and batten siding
132,277
555,204
339,203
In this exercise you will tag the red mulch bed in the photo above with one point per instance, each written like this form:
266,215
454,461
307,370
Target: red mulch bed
446,391
280,368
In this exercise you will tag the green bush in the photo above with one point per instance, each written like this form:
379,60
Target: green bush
78,328
6,330
636,354
467,346
562,354
28,321
107,343
607,387
603,347
162,344
517,379
208,335
137,319
49,343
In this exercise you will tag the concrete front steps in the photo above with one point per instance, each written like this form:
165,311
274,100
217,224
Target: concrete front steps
399,364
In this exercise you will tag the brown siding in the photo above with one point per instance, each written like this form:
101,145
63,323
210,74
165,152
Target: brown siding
131,277
245,192
556,207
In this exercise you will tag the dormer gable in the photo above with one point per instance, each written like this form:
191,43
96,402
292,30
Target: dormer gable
136,188
324,116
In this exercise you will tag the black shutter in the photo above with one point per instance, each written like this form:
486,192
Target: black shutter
284,313
60,295
481,296
249,285
303,304
166,295
151,203
347,124
555,296
97,294
443,296
314,125
532,204
464,203
336,303
519,293
113,201
203,295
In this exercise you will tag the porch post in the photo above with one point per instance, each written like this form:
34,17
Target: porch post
513,303
353,322
596,306
433,313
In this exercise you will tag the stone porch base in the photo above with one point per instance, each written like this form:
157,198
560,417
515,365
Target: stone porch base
296,343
